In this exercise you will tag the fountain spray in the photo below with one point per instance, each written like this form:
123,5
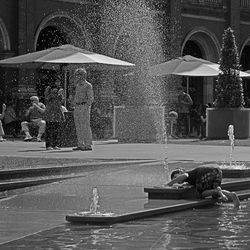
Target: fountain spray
230,134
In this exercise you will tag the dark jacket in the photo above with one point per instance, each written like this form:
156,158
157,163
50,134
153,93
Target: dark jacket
53,111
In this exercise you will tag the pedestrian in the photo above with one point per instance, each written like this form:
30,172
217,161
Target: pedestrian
83,100
1,126
34,116
173,116
207,182
12,123
53,115
184,103
203,121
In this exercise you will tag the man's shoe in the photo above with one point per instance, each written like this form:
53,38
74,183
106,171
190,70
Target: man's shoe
78,148
87,149
28,138
56,148
49,148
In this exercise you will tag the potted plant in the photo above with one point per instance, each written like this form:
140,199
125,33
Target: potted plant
229,97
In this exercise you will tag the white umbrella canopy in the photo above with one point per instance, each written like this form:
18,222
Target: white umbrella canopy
188,66
62,56
65,57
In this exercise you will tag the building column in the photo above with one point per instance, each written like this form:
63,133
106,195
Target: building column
22,26
234,18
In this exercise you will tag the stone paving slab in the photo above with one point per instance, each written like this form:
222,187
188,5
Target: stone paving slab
17,154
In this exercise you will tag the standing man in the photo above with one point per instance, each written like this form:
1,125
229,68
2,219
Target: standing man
83,100
184,103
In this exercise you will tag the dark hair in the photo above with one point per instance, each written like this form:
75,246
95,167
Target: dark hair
177,171
81,71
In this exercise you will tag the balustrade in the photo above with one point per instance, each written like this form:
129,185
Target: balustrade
205,2
245,4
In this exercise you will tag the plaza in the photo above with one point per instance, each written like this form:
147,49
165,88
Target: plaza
30,212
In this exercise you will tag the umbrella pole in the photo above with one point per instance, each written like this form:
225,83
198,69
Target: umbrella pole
64,71
65,88
189,122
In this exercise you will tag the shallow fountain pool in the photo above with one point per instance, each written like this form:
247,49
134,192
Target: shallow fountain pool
217,227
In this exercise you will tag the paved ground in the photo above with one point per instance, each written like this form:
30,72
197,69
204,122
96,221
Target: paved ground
19,154
36,209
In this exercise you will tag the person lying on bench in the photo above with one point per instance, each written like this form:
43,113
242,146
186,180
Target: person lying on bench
207,182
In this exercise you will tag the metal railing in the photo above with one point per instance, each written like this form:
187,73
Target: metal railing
245,4
204,2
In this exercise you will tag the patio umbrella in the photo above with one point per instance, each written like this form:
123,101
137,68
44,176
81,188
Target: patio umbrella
63,56
188,66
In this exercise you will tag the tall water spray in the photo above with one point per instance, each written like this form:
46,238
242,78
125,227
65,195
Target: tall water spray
230,133
94,205
232,163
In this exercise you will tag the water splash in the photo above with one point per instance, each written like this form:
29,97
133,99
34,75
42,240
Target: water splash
230,134
232,164
94,205
165,156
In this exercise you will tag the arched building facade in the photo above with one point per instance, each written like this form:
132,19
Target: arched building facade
160,31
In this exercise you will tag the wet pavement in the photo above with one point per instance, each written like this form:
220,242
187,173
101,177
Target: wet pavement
31,210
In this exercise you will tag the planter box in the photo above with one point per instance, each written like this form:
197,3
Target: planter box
139,123
218,120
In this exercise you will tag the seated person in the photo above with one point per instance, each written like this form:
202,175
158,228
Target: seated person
11,121
1,126
207,182
34,113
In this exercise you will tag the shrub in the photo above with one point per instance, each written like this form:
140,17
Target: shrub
229,89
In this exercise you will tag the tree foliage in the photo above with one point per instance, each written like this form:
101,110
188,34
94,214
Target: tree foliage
229,89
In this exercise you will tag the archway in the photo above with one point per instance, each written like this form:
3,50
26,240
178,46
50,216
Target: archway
200,43
6,82
245,65
54,30
203,43
50,36
195,83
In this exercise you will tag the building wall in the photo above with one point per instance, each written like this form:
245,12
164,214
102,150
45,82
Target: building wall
100,30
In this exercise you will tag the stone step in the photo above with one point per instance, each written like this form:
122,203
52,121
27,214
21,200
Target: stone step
189,192
66,168
117,218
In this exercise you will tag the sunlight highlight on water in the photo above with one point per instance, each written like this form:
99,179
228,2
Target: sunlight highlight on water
216,227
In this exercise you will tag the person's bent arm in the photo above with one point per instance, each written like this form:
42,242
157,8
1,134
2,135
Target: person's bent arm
3,111
41,107
179,179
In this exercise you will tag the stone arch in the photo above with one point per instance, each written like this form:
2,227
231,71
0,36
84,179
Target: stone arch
244,53
4,37
73,27
207,41
210,50
244,44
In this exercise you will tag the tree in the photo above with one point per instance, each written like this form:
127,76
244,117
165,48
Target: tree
229,89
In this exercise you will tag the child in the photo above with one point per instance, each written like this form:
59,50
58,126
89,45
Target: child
1,126
206,180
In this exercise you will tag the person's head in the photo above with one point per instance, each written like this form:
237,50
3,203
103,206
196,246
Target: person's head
180,89
80,73
34,99
176,173
58,83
